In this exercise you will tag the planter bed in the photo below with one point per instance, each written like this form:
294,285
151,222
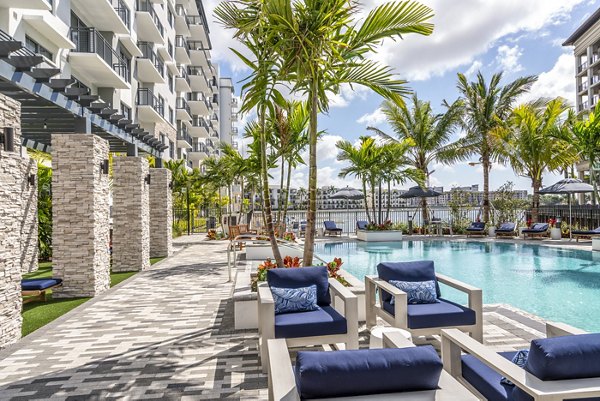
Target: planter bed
263,251
379,236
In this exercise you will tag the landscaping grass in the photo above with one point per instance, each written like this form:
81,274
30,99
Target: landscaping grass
37,314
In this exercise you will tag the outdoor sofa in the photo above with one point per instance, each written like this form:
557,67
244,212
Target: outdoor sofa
563,366
536,230
400,372
331,228
585,233
36,288
325,325
506,230
476,228
421,319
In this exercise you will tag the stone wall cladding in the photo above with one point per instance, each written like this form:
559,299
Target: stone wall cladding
80,215
161,213
168,130
29,222
131,218
10,116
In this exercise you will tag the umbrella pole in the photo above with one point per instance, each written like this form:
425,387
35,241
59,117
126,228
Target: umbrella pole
570,219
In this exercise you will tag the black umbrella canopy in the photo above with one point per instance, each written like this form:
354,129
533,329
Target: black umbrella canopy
418,192
568,186
347,193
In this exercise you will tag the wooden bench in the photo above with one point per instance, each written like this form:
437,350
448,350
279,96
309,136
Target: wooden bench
36,288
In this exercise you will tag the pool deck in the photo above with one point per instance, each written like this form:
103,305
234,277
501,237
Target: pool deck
168,333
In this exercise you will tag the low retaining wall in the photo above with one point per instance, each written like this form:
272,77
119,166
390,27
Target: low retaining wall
379,236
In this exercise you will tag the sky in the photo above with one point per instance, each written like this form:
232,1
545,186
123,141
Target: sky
519,37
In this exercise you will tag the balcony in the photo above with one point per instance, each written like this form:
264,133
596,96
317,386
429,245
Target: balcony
182,80
198,103
234,117
582,67
149,27
107,15
183,110
234,103
51,27
214,118
234,130
149,107
200,128
184,140
198,80
199,54
150,67
198,151
182,52
583,87
95,60
214,83
181,22
31,4
198,30
215,100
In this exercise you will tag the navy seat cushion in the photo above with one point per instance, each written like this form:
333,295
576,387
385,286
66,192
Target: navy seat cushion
485,379
366,372
38,284
509,227
302,277
322,322
476,226
419,270
362,225
537,227
441,314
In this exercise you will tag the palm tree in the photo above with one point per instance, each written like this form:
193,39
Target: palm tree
301,194
321,47
531,145
430,133
486,106
186,188
585,138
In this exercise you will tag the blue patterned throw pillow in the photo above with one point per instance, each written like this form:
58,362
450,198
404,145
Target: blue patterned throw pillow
520,359
417,292
288,300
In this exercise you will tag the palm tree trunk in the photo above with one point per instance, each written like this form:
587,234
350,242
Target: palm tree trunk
389,201
374,208
380,214
366,200
486,187
309,242
424,212
535,203
281,194
593,180
287,191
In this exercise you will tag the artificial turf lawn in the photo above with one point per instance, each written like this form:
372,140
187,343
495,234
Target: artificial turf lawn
37,314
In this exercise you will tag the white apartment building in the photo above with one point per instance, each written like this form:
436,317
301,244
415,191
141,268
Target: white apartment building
137,72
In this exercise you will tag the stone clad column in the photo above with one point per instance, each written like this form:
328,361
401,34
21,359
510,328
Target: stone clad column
80,215
29,223
131,218
161,213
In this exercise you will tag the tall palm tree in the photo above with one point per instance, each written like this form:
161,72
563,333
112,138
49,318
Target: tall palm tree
530,143
486,106
431,134
585,138
322,47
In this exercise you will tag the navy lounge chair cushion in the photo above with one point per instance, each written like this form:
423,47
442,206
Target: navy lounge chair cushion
506,228
302,277
441,314
322,322
39,284
330,226
476,226
537,228
587,232
362,225
485,379
419,270
366,372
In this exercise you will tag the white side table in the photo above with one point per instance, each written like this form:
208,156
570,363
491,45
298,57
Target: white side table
376,337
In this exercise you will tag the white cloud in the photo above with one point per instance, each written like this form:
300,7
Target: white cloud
508,58
558,81
474,68
372,119
465,29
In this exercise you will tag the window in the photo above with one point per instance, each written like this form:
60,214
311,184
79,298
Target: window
170,17
163,138
171,115
170,48
127,60
161,106
171,83
171,149
126,111
37,48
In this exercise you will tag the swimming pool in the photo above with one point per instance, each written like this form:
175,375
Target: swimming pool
555,284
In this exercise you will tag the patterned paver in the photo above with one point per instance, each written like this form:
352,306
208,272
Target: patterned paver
167,333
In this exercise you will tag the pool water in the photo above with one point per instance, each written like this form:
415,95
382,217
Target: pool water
555,284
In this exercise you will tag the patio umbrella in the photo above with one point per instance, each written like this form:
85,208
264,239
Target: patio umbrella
418,192
348,194
568,186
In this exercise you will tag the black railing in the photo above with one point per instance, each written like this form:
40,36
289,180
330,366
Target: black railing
200,122
123,12
198,45
183,73
195,97
181,104
180,11
181,42
148,53
89,40
215,99
583,216
182,135
145,97
213,82
146,6
199,147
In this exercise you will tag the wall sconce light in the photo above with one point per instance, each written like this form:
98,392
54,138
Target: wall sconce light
31,179
104,166
7,139
147,179
46,124
171,184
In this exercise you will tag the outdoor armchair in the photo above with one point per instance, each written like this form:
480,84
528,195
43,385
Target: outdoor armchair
536,230
325,325
476,228
508,229
400,372
563,366
331,228
426,318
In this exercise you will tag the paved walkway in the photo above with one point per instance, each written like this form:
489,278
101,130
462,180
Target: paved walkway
167,333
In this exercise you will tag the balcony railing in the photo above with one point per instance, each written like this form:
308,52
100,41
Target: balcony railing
200,122
199,147
183,73
146,6
583,86
213,82
215,99
181,104
148,52
89,40
234,130
181,42
582,66
182,135
195,96
123,12
234,102
145,97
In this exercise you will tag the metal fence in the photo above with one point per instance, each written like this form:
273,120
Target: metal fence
583,216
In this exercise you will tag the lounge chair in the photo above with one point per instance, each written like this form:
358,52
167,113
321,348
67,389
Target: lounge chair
506,230
331,228
476,228
536,230
362,224
321,326
421,319
36,288
563,366
400,372
585,233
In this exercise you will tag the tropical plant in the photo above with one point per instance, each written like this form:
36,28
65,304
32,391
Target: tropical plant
486,107
429,132
530,143
585,138
188,193
44,205
507,205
